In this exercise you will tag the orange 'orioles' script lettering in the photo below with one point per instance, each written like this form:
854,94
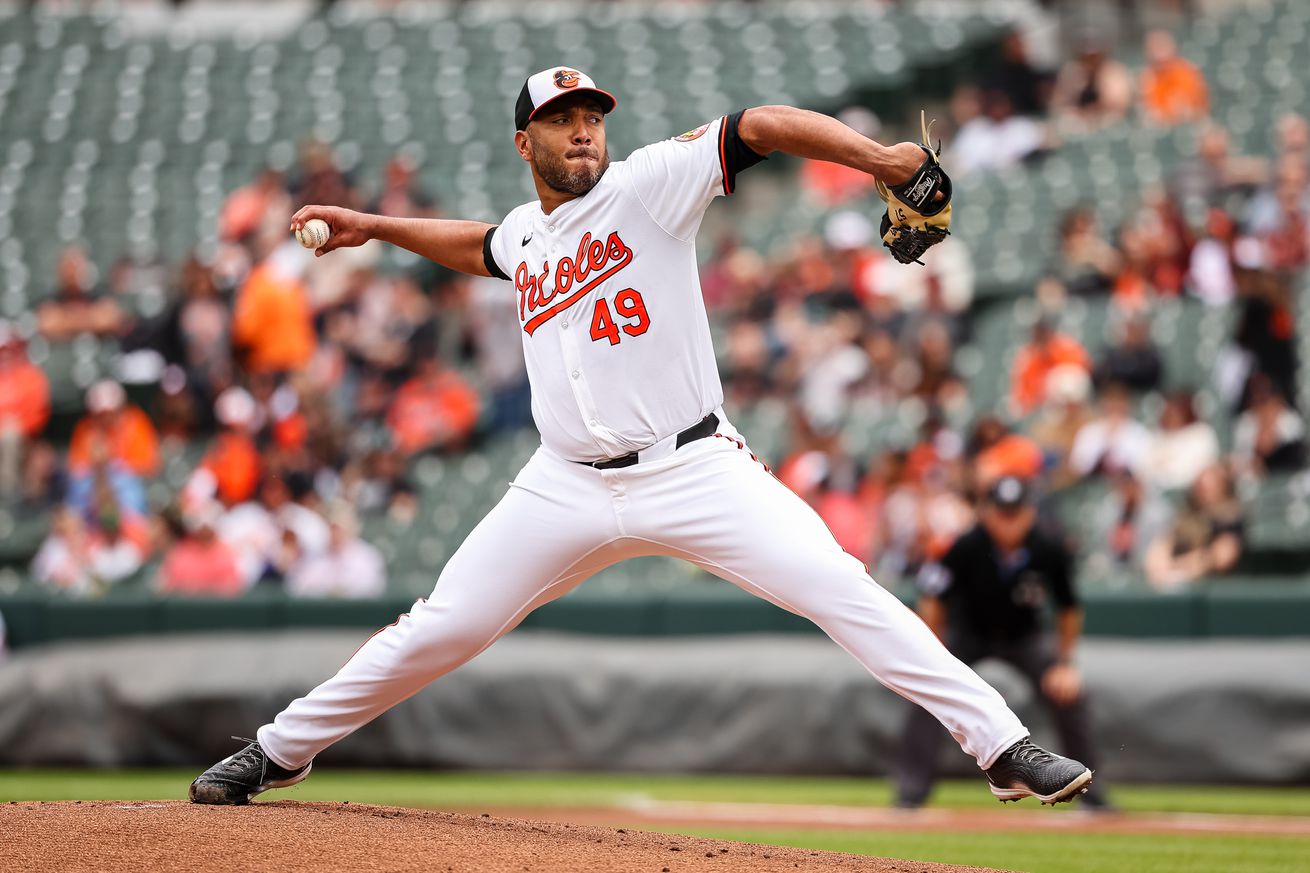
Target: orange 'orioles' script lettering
575,277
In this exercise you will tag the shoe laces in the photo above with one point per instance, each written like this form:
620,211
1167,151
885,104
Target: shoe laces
1030,753
251,754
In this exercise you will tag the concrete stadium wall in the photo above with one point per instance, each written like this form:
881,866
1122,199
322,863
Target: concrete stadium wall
1237,608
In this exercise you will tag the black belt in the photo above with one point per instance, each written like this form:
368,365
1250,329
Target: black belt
701,429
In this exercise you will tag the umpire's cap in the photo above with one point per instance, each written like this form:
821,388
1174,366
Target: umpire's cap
550,85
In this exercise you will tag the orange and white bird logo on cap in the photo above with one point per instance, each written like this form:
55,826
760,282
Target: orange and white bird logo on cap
566,79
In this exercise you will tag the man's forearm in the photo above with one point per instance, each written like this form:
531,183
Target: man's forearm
807,134
1069,627
451,243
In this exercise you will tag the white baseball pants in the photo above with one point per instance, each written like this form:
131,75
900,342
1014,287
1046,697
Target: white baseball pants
710,503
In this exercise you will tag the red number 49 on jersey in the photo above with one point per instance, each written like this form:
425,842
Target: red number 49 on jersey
629,305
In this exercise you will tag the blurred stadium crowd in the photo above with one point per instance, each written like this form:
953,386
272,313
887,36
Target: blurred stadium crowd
298,393
309,382
1072,413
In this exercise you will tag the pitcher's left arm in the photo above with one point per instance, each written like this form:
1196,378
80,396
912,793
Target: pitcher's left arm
909,175
807,134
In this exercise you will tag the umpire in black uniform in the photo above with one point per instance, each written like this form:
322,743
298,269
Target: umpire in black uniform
987,598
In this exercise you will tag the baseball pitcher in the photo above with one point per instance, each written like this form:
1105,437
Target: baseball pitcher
637,456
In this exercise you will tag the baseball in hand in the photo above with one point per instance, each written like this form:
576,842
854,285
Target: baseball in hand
313,233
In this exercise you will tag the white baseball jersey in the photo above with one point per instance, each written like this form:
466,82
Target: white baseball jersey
614,330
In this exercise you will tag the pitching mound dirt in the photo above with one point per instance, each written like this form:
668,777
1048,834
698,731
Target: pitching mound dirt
286,836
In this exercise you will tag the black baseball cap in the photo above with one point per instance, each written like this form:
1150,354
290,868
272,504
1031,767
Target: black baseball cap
549,85
1008,492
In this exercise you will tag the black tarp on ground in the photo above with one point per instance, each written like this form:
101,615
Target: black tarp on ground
1213,711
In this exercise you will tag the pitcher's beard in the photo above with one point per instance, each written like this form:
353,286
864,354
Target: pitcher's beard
555,172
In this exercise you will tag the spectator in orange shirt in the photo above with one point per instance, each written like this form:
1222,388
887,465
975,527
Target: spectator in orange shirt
273,325
435,409
1173,89
24,390
24,407
1047,350
232,466
126,431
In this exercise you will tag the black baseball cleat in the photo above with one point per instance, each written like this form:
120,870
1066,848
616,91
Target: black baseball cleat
1027,770
237,778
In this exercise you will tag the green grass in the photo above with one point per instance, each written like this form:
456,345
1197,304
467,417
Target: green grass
1055,853
465,789
1063,852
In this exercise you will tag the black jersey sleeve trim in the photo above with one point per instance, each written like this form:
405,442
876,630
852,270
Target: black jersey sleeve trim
487,259
734,155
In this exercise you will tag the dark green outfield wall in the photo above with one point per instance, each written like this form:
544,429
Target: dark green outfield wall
1234,609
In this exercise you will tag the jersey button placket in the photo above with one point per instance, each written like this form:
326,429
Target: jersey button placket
578,377
568,341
